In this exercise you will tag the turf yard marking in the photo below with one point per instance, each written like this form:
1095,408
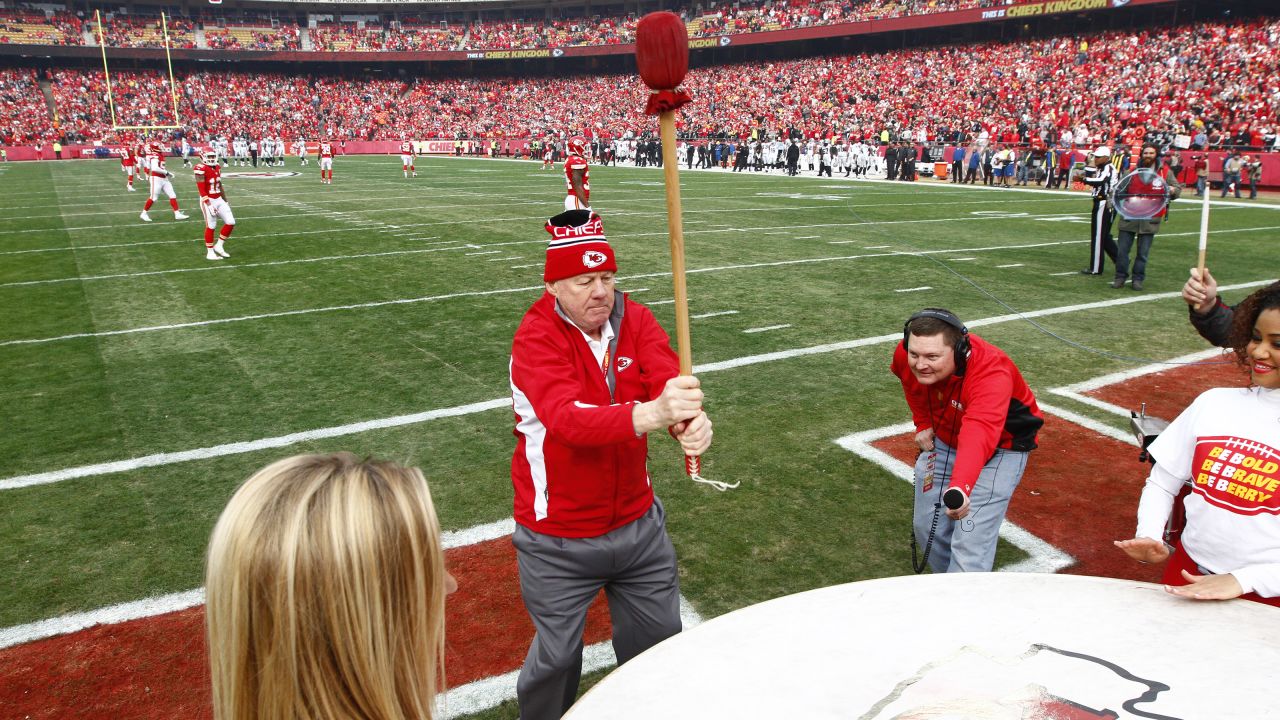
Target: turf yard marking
478,293
1010,265
1069,272
504,259
636,290
966,259
20,481
1215,232
1042,557
713,314
484,252
1076,391
522,267
766,328
914,289
875,247
227,266
807,237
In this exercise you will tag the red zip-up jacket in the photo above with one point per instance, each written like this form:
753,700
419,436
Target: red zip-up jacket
579,470
990,407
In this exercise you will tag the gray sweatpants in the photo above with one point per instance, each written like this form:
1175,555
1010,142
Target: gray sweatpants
560,577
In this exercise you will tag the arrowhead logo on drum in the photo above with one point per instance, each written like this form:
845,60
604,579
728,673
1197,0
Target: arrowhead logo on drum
1038,682
593,258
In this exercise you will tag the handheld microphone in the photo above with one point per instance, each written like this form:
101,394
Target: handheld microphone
953,498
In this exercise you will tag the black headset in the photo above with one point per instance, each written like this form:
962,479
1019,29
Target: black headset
961,347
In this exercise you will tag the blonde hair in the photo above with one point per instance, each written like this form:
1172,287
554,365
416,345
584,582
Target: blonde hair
325,591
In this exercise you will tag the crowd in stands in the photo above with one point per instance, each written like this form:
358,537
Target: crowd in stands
31,26
24,114
424,36
543,33
344,37
140,97
146,32
253,35
424,32
1212,82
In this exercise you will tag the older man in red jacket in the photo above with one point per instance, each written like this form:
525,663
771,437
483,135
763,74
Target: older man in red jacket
592,373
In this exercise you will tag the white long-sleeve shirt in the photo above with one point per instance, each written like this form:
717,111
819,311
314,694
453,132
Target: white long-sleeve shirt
1227,446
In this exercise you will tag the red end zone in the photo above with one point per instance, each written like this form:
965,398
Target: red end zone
157,668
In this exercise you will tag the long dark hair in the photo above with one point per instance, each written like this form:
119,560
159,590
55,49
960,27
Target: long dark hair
1246,316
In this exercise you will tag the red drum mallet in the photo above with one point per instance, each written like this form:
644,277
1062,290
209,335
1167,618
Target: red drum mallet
662,56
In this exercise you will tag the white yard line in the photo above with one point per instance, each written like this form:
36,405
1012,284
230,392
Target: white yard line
236,448
713,314
914,289
484,252
1069,272
1010,265
766,328
462,700
1076,391
260,316
660,302
1042,557
236,266
875,247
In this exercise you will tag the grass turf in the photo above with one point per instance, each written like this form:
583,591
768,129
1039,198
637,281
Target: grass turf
380,296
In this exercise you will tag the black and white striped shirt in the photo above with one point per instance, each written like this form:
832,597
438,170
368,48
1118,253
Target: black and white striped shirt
1100,179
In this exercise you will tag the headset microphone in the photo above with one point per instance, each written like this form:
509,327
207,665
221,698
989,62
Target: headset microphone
953,498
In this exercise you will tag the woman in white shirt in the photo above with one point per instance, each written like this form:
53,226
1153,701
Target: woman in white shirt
1226,448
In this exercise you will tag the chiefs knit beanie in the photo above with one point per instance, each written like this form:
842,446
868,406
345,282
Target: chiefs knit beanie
577,246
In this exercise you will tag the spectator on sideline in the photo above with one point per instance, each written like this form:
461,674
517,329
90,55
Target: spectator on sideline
1229,546
325,590
1143,230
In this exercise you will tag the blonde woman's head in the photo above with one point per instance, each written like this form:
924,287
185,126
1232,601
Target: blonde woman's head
326,586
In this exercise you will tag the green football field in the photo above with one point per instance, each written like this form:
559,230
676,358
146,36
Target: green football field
142,383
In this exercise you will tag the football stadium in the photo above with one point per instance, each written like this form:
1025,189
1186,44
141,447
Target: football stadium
759,359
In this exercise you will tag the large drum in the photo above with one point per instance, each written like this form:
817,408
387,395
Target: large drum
980,646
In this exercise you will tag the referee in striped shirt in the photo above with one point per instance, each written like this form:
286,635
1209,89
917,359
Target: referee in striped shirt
1100,176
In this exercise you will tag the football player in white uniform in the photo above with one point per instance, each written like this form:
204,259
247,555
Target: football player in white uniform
159,179
213,205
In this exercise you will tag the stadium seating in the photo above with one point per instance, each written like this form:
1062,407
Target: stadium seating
28,26
1106,86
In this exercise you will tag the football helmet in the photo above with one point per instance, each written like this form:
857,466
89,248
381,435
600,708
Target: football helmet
577,145
209,157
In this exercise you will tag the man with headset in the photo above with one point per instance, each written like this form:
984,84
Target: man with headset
975,421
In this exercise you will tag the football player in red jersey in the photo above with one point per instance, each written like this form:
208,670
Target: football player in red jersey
159,179
213,205
406,157
326,162
577,175
127,164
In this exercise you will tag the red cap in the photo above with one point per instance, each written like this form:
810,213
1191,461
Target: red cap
577,246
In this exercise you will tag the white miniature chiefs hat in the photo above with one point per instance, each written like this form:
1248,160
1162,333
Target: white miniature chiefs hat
1102,151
